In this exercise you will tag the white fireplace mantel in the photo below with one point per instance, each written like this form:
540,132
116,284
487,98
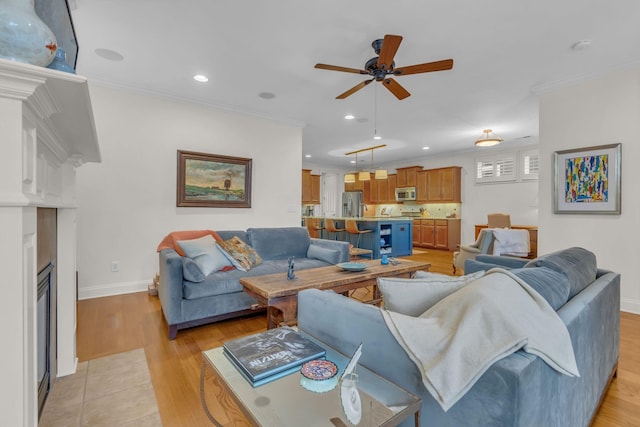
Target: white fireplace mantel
47,130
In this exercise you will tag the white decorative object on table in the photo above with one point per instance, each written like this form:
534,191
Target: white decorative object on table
23,35
349,395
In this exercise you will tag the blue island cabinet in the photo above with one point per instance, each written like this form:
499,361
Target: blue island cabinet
392,238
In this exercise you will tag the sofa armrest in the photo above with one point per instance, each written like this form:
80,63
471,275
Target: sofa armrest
338,245
170,286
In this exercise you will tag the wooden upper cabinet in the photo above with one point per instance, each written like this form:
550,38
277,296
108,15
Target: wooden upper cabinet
422,186
443,185
315,189
306,185
310,187
407,176
383,190
372,194
392,183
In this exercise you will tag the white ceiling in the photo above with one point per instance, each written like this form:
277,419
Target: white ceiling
504,52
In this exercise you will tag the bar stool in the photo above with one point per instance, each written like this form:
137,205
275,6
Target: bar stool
313,225
352,228
330,226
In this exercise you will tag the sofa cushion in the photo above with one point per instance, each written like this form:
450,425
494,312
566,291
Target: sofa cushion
280,243
415,296
205,253
241,255
553,286
191,271
330,256
578,264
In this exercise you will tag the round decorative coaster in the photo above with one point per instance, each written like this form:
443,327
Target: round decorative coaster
319,376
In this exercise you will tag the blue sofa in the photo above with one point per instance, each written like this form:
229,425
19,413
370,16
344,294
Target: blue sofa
187,303
519,390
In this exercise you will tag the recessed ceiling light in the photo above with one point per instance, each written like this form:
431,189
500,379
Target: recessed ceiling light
349,117
267,95
352,161
109,54
307,155
377,137
201,78
425,148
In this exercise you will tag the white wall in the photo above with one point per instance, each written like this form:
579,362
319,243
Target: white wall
517,198
128,202
598,112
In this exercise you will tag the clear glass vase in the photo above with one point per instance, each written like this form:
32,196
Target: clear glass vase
23,35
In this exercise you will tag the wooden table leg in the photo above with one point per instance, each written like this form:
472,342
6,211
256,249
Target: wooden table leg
288,306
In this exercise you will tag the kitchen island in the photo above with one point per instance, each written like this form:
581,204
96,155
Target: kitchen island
389,236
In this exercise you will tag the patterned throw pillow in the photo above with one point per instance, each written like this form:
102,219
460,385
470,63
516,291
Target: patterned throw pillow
243,256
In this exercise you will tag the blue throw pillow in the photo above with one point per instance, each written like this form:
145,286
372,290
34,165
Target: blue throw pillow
205,253
578,264
191,271
551,285
330,256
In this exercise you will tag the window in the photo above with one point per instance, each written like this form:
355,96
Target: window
530,161
496,169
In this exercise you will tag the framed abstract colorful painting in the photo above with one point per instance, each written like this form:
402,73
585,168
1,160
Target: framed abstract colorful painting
213,181
587,180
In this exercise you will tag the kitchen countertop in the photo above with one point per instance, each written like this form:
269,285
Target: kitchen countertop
364,218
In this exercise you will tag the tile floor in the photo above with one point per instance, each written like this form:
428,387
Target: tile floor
110,391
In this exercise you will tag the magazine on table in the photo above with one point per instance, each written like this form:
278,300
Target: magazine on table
265,355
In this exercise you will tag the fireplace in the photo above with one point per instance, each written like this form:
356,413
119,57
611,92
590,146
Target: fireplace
43,346
47,132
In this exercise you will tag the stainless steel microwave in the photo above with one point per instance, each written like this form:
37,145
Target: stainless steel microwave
405,194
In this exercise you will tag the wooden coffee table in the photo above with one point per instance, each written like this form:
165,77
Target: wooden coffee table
280,295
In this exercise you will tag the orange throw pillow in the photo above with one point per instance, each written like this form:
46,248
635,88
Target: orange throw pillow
171,239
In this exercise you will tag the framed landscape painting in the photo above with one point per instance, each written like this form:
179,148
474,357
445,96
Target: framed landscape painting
212,180
587,180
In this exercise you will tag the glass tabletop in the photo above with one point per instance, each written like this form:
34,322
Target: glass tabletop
284,402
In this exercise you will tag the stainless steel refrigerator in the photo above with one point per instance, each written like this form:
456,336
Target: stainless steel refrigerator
352,204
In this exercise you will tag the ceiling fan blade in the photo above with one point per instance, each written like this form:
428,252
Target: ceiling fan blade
445,64
337,68
389,48
354,89
396,89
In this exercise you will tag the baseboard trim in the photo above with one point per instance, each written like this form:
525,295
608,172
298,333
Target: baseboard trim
112,289
632,306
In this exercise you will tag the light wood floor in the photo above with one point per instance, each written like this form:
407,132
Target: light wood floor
121,323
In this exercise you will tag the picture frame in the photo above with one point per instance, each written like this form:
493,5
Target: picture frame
588,180
213,180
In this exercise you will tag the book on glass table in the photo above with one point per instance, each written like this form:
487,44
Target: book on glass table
272,354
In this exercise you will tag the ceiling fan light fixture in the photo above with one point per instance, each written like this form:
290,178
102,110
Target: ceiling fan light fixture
488,139
349,178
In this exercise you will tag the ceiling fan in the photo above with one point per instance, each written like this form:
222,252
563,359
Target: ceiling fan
383,65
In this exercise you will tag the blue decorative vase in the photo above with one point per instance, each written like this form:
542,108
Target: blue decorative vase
23,35
60,62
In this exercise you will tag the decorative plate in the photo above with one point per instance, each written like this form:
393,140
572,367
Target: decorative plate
352,266
319,370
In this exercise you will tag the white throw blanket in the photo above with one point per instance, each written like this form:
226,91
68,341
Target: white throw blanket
510,241
459,338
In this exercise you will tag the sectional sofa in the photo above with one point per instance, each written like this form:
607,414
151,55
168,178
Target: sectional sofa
519,390
189,300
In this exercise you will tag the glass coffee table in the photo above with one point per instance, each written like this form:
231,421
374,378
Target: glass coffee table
284,402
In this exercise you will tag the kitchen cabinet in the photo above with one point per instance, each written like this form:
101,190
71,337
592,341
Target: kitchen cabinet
437,233
310,187
443,185
407,176
422,182
392,183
